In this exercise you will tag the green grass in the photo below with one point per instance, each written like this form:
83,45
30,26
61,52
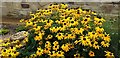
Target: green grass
111,26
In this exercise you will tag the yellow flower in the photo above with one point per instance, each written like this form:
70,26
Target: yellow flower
80,9
47,44
77,55
42,33
25,34
38,37
54,29
84,40
4,52
109,54
29,23
66,36
15,53
63,28
100,34
48,22
94,13
68,11
1,40
77,41
63,15
31,13
60,36
65,47
21,20
85,11
73,30
40,43
80,30
15,41
98,29
37,28
87,27
71,36
12,48
39,51
95,45
91,54
61,10
52,54
73,23
46,50
105,44
77,14
50,6
47,11
62,21
69,18
25,40
55,47
54,6
60,54
87,16
33,56
85,21
106,37
92,35
71,46
49,36
18,45
98,20
58,21
11,55
46,26
63,6
99,23
5,44
55,43
65,24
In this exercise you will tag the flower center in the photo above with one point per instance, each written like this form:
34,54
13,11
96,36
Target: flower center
85,20
72,21
84,38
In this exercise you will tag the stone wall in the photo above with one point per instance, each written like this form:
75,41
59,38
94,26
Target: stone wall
14,8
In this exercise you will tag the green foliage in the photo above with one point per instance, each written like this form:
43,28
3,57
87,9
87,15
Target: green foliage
118,34
30,48
69,39
112,27
21,28
3,31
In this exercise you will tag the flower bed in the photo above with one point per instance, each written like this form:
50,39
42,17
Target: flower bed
59,31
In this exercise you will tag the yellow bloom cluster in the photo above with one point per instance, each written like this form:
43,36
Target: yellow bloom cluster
58,30
9,47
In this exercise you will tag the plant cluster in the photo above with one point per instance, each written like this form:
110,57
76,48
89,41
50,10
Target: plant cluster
60,31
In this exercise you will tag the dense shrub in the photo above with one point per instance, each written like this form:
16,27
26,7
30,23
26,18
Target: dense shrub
59,31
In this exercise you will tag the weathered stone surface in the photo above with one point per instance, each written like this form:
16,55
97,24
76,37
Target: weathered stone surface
15,7
19,35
